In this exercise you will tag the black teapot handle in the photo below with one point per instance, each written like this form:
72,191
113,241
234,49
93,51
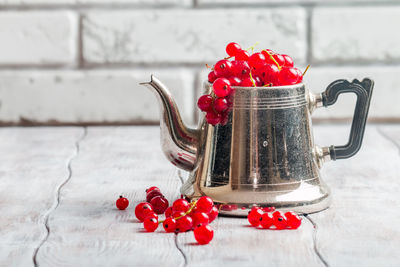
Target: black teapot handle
363,90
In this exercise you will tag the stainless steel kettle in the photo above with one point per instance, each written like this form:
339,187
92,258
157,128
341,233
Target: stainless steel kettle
265,155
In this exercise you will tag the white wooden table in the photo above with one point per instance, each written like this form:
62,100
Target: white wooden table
58,187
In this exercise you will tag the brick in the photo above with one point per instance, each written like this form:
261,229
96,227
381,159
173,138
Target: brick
38,38
355,34
384,103
92,2
89,96
188,36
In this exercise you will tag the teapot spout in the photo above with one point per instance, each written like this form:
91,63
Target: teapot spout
179,143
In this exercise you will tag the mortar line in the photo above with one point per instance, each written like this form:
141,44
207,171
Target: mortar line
315,226
56,202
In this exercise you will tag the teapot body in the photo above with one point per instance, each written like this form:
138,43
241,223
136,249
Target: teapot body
263,155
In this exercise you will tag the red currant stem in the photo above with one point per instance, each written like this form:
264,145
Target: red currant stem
252,47
273,59
306,70
208,67
229,57
252,80
268,85
193,204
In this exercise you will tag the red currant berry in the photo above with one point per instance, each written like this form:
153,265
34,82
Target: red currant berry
269,73
224,118
257,60
279,59
268,209
242,55
254,217
122,203
222,87
152,215
204,204
258,81
288,61
223,68
247,83
169,225
213,214
293,220
160,204
288,76
205,103
184,224
203,234
150,224
212,77
180,205
200,218
240,69
266,220
148,190
235,81
152,194
142,209
168,212
177,215
280,221
213,118
299,75
232,49
220,105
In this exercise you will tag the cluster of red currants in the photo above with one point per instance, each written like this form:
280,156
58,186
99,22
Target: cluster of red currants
182,216
257,217
261,69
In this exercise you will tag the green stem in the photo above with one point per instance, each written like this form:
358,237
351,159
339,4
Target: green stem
193,205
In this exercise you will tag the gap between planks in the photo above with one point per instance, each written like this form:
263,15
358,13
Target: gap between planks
185,260
316,250
56,202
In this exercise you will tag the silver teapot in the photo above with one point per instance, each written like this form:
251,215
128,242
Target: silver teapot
265,155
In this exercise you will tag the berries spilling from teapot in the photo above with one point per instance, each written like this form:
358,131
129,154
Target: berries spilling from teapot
260,69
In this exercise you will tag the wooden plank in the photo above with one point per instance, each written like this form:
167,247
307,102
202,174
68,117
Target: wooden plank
33,164
87,229
361,227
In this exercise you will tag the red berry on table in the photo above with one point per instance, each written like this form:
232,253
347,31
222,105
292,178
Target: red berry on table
150,224
205,102
268,209
169,225
247,82
220,105
212,76
223,68
213,214
148,190
232,49
242,55
180,205
151,214
142,209
168,212
204,204
200,218
288,76
184,224
266,220
293,220
288,61
222,87
240,69
122,203
160,204
213,118
203,234
177,215
151,194
280,221
257,60
254,217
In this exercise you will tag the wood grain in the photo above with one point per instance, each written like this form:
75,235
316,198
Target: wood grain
87,229
361,226
33,163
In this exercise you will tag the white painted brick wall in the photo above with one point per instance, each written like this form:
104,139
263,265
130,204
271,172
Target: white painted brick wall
356,34
189,36
45,38
102,96
80,61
